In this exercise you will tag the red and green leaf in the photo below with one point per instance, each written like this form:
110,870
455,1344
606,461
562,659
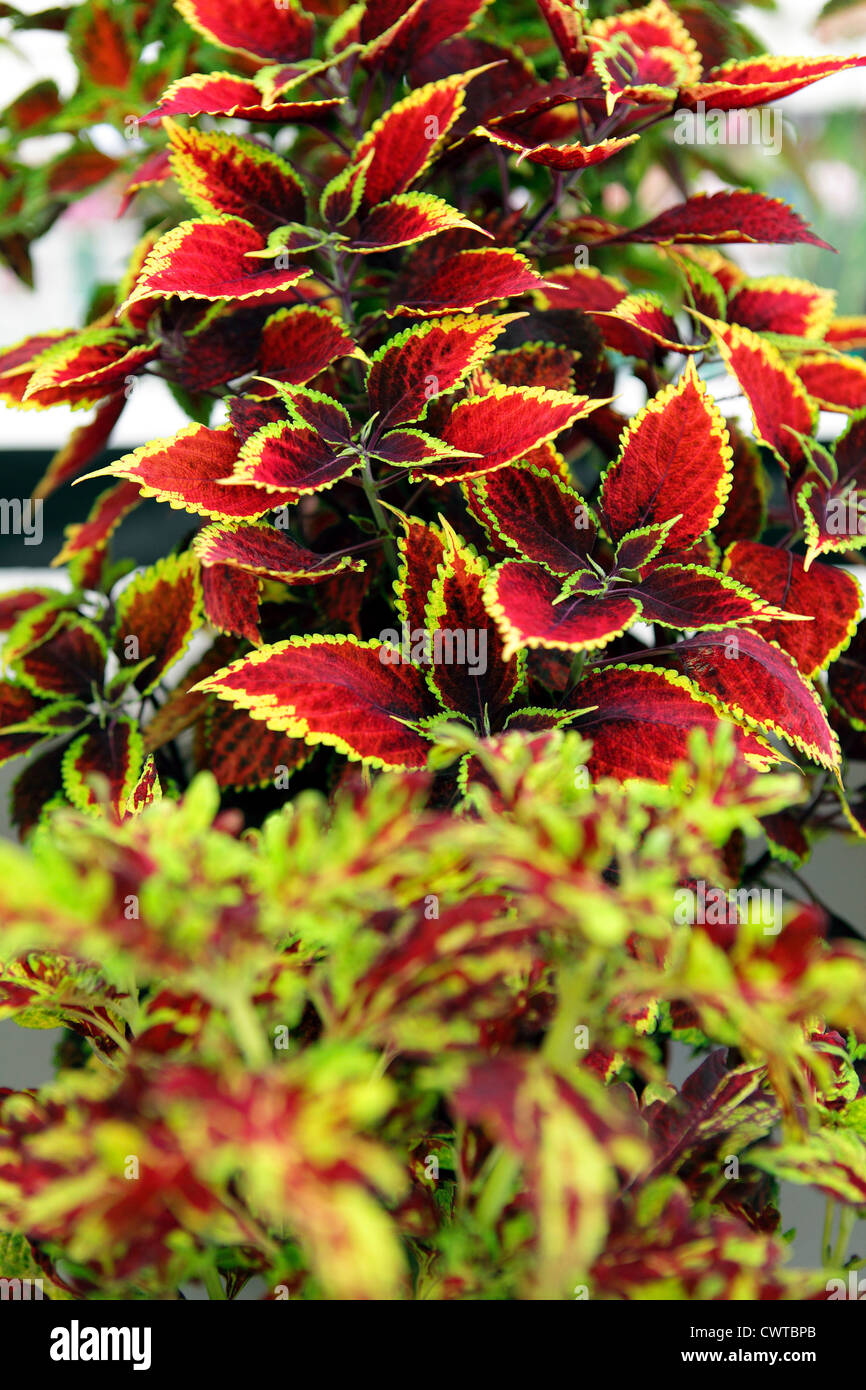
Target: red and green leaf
467,280
427,361
643,721
779,405
263,550
530,611
735,216
256,28
105,758
746,82
161,609
829,596
535,512
759,685
464,637
675,461
337,691
189,472
299,342
212,259
219,173
506,424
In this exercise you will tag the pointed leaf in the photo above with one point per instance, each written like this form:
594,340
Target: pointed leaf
781,304
212,260
256,28
738,215
643,720
504,425
533,511
333,690
408,137
404,220
292,459
758,684
426,361
300,342
829,596
779,405
745,82
467,280
675,461
219,173
834,383
231,601
161,609
188,470
261,549
525,602
226,94
469,671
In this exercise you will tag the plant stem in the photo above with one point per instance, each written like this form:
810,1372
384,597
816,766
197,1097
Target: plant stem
378,513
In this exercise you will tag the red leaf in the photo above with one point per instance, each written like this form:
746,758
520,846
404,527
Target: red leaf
534,364
106,514
411,30
83,444
300,342
84,369
524,601
154,170
264,550
738,215
243,755
758,684
57,653
225,94
781,304
258,28
506,424
690,596
159,609
231,601
17,705
533,511
219,173
211,260
745,82
99,44
675,460
293,460
112,754
746,508
422,550
333,690
777,400
469,671
408,137
188,470
834,383
847,680
566,26
823,593
643,721
404,220
467,280
566,157
425,362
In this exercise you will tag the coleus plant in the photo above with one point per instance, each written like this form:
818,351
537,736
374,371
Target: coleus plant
423,536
